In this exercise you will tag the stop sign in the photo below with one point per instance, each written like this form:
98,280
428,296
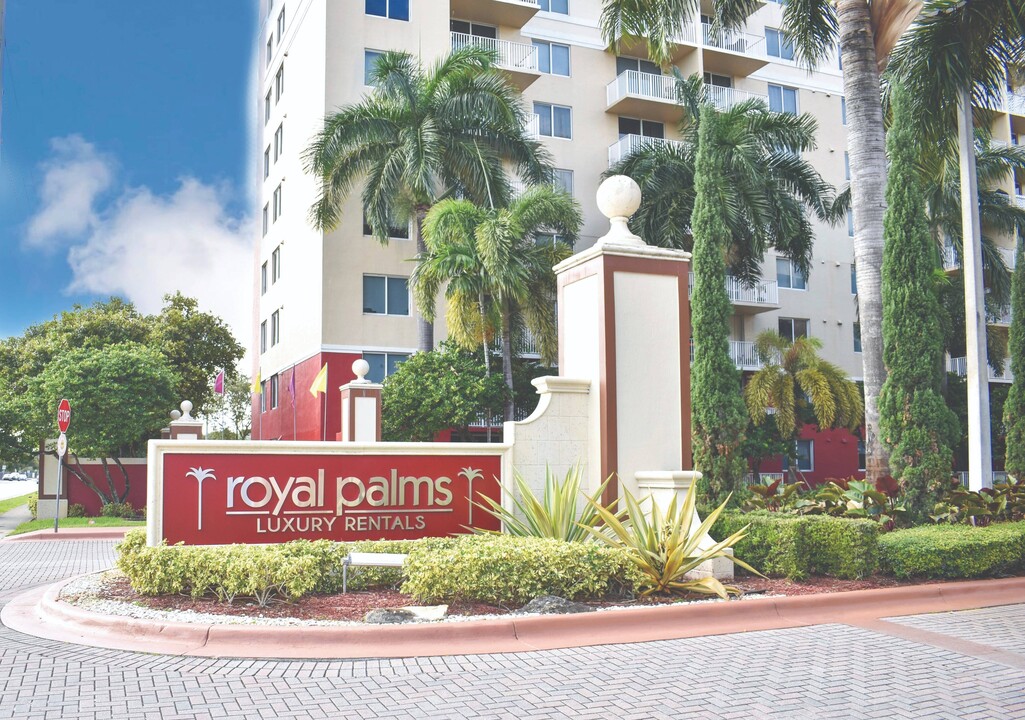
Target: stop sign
63,416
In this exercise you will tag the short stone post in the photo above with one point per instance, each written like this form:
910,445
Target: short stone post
186,427
361,407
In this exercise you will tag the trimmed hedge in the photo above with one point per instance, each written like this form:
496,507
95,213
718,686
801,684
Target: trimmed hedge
796,546
954,551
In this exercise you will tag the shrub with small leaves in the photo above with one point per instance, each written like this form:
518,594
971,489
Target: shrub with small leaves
118,510
76,510
954,551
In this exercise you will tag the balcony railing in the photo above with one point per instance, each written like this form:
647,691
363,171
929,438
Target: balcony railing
1016,102
532,127
483,421
640,84
950,259
526,345
629,144
959,366
734,41
723,98
511,55
762,293
742,353
999,476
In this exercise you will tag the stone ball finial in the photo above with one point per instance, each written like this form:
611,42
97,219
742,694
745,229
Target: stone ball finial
361,367
175,414
618,198
186,407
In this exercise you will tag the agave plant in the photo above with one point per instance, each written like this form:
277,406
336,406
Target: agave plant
557,514
665,545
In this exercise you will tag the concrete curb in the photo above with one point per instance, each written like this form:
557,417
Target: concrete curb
40,613
74,533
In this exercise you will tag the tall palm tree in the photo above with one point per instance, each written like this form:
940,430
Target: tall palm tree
866,31
769,188
499,278
796,386
958,55
421,135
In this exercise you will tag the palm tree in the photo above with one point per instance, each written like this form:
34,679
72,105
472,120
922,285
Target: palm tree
421,135
958,56
866,31
769,187
498,277
795,385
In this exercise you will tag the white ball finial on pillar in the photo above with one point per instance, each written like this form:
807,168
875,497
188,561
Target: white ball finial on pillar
618,198
176,414
361,367
186,407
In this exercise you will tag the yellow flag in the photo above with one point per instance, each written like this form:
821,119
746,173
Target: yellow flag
320,382
257,385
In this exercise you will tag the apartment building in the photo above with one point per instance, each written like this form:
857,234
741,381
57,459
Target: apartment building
330,298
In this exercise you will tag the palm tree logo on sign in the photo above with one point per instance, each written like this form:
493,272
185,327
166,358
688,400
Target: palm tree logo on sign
200,474
470,474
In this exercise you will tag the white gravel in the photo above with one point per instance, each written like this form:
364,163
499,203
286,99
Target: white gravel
83,592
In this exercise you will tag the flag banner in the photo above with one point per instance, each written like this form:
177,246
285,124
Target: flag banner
219,383
291,386
320,382
257,385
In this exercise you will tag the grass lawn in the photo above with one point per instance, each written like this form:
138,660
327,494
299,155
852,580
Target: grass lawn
32,525
11,503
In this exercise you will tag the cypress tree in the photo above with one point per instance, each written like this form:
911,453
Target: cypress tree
717,407
1014,406
917,426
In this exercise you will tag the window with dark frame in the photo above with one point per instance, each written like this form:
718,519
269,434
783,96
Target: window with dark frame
385,295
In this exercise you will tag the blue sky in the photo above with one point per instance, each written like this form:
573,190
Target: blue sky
124,160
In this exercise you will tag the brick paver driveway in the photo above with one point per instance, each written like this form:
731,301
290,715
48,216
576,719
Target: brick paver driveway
828,671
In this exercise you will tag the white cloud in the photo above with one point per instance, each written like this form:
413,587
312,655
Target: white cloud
74,178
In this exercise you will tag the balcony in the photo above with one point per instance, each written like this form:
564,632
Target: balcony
731,52
760,297
639,94
959,366
742,353
629,144
1000,318
1016,101
514,13
999,476
518,60
682,44
724,98
951,261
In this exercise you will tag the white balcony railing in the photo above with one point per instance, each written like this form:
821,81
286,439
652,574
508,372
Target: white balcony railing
950,259
734,41
761,293
999,476
641,84
1000,317
1016,102
532,127
959,366
742,353
511,55
723,98
629,144
525,346
1020,200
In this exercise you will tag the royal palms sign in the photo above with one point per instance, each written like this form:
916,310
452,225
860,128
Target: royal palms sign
207,493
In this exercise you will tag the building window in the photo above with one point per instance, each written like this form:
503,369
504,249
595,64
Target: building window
543,239
850,223
392,9
279,83
552,58
266,222
263,279
783,99
563,180
793,328
383,364
395,232
273,391
370,58
628,63
385,295
778,45
718,80
263,399
263,336
789,276
266,107
275,265
275,328
854,279
472,29
277,203
804,454
556,6
847,166
279,141
266,163
857,337
270,49
554,120
843,110
644,128
861,455
281,23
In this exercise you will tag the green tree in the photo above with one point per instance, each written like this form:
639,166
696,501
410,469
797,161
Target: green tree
421,135
717,408
445,389
795,386
497,275
1014,407
119,394
231,412
917,426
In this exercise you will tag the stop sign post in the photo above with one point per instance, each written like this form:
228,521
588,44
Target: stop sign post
63,423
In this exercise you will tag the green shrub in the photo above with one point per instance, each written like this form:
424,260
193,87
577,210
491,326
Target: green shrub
118,510
954,551
507,570
76,510
796,546
33,505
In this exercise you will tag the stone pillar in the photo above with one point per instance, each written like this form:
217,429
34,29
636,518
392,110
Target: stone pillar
624,324
361,407
186,427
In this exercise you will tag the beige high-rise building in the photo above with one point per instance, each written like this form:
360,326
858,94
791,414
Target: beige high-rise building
329,298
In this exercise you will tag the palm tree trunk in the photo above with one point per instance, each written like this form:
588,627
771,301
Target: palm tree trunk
507,370
867,146
487,370
425,329
980,452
